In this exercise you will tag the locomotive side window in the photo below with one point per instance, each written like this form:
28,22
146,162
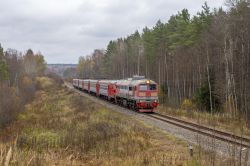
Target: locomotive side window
143,87
152,87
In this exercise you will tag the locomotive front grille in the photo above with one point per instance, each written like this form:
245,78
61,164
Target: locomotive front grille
142,94
154,94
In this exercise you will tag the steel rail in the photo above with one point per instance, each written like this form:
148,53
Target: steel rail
224,133
217,134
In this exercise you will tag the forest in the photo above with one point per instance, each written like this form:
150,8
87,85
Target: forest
17,81
204,58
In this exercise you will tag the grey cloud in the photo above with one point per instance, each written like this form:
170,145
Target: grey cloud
63,30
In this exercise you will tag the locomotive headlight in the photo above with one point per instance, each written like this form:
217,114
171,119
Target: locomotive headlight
148,82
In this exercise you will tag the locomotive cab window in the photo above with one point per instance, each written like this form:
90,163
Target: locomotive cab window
130,88
143,87
152,87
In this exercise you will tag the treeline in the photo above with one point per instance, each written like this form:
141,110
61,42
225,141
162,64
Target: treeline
17,81
204,58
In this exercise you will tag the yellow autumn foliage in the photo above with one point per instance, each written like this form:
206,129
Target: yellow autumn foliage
187,104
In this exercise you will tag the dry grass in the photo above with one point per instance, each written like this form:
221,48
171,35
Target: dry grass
62,128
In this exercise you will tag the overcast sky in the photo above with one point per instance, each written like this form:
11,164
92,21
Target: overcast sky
63,30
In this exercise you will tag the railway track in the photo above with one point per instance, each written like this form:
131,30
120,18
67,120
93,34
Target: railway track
207,131
194,127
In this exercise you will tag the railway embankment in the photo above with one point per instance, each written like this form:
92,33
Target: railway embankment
61,127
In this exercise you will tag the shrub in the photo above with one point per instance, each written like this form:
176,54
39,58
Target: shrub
202,96
187,104
43,83
27,89
56,78
10,104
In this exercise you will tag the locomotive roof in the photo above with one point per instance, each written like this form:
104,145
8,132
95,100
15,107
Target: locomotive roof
143,81
126,82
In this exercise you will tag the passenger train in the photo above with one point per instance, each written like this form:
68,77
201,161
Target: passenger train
136,93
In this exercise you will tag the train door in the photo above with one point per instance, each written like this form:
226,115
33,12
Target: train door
109,90
134,90
130,91
113,90
89,86
97,88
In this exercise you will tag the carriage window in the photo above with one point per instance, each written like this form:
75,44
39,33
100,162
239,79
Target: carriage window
143,87
152,87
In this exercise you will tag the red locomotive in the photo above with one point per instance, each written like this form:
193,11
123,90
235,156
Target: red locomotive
136,93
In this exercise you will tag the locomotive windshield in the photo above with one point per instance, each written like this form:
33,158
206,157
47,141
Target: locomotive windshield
145,87
152,87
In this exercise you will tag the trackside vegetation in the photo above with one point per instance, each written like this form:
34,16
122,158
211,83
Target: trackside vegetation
62,128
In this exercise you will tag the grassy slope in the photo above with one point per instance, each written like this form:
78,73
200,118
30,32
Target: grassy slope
62,128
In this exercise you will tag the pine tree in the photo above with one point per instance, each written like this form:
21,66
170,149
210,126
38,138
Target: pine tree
3,66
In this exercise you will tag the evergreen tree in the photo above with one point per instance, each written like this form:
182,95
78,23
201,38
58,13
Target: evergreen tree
3,66
202,97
